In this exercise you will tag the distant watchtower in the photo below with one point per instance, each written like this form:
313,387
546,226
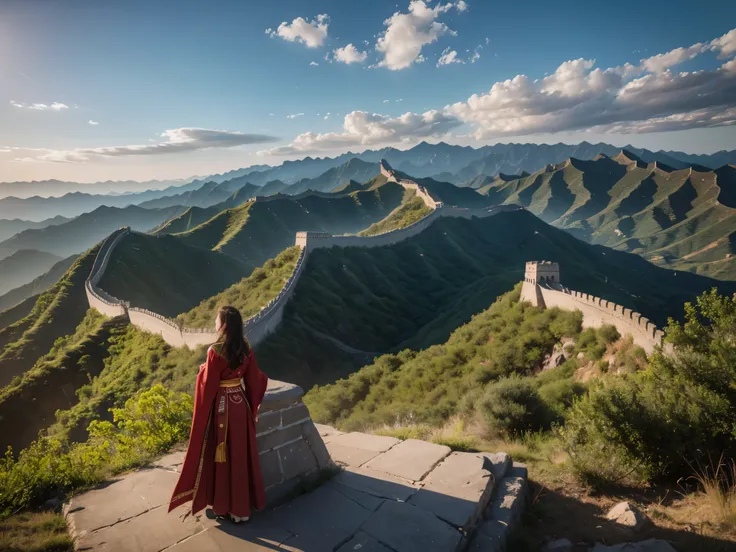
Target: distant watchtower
542,272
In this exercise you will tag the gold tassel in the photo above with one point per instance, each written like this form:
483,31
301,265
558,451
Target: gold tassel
221,452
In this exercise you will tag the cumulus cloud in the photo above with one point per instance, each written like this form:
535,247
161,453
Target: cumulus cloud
580,96
349,54
362,129
407,33
461,6
313,64
662,62
56,106
577,96
294,115
93,123
448,57
726,44
176,141
312,33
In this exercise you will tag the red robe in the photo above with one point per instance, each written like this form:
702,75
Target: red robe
224,415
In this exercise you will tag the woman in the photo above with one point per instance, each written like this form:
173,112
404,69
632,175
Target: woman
221,468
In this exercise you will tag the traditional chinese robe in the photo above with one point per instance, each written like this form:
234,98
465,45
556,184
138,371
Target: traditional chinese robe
221,467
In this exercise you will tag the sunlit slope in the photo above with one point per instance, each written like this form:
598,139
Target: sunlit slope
257,231
55,312
414,293
248,295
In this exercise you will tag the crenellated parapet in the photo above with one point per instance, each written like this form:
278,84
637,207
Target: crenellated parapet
543,291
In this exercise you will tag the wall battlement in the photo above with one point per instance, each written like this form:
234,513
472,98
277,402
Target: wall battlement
540,290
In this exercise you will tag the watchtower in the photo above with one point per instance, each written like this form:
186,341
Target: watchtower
542,272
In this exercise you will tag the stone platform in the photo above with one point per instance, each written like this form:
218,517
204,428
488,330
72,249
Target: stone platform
388,495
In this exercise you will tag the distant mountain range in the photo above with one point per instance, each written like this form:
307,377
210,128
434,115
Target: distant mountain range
685,219
23,266
57,188
11,227
442,161
86,230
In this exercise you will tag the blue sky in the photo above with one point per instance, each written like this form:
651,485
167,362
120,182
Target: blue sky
182,88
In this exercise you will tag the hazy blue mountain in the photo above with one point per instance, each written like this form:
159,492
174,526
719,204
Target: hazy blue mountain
86,230
11,227
23,266
58,188
38,285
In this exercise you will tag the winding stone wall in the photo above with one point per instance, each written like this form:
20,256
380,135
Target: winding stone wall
596,312
259,326
97,298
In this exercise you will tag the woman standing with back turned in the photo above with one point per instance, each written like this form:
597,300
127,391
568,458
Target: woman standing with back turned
221,468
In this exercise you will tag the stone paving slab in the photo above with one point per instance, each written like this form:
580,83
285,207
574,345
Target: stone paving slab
410,459
367,501
376,483
150,532
362,542
323,516
364,441
350,456
254,536
406,528
123,498
173,461
457,490
500,463
327,433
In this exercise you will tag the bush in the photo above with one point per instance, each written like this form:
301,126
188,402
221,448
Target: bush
512,406
676,414
147,425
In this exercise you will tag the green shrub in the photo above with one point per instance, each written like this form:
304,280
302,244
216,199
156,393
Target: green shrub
512,406
432,385
147,425
676,414
559,395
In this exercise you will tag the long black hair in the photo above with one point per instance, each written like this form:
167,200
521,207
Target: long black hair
232,343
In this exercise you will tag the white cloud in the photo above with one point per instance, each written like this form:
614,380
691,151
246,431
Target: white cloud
407,33
386,101
461,6
350,54
448,57
56,106
662,62
177,140
476,56
93,123
313,64
294,115
312,33
400,100
327,116
361,129
726,44
580,96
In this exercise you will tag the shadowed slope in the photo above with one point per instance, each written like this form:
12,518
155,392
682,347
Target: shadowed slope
414,293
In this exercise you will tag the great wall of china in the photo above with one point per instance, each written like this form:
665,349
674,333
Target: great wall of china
263,323
539,287
542,288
